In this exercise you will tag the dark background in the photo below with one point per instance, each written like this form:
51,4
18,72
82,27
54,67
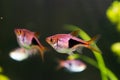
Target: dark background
48,17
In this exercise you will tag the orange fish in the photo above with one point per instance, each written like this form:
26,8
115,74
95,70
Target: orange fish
29,40
67,43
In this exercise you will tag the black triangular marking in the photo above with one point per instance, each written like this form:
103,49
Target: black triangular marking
34,42
73,42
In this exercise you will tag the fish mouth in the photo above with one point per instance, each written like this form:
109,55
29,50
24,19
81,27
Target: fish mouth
16,30
48,40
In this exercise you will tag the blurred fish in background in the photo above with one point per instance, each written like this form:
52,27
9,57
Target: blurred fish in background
21,54
72,65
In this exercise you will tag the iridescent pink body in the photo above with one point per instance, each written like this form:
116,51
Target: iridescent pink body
67,43
25,37
28,39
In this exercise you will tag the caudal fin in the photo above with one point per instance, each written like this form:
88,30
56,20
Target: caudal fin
41,49
91,44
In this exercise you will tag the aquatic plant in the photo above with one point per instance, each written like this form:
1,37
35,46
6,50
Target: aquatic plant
106,73
113,13
3,77
116,48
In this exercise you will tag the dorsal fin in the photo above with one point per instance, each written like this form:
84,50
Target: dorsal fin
36,34
75,33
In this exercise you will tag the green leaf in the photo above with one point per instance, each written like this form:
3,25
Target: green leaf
106,74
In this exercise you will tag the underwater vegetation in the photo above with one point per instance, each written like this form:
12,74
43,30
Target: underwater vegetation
113,14
2,76
106,74
71,44
23,60
62,44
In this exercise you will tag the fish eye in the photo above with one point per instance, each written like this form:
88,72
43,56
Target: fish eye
18,32
52,40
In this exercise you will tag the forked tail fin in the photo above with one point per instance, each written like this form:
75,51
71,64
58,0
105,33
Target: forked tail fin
91,44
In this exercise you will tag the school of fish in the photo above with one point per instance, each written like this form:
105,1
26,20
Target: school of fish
29,45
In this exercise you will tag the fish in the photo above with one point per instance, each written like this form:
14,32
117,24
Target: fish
68,43
28,39
20,54
72,65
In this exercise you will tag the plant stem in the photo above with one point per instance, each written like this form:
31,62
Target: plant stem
105,72
94,63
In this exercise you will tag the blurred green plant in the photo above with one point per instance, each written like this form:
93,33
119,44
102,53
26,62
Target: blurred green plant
1,69
113,13
106,74
116,49
3,77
